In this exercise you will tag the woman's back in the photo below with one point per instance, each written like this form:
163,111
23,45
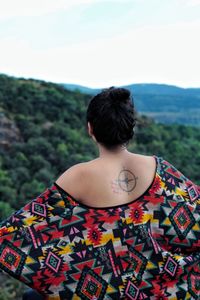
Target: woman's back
109,180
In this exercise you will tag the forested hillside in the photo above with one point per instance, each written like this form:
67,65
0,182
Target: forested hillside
43,132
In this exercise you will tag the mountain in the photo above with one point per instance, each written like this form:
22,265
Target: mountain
164,103
141,88
80,88
161,89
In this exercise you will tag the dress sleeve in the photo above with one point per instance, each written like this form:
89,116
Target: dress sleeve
26,238
179,216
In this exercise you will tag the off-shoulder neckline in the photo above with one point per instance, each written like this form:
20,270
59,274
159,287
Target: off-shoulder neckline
80,204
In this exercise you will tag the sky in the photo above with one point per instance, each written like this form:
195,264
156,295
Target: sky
99,43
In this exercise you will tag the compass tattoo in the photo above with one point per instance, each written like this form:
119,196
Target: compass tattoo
126,182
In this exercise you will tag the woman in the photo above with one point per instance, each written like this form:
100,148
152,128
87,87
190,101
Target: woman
122,226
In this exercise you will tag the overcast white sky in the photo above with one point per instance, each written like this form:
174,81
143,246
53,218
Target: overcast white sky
98,43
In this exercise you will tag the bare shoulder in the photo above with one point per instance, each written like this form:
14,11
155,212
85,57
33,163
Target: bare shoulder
72,179
145,168
146,160
72,173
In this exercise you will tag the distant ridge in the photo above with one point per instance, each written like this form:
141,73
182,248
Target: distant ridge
81,88
164,103
141,88
164,89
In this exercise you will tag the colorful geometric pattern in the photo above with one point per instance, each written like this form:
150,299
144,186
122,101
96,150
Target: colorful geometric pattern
138,263
53,262
182,219
194,284
193,193
171,266
147,249
12,259
91,286
131,291
39,209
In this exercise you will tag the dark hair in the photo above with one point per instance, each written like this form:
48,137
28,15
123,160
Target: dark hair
112,116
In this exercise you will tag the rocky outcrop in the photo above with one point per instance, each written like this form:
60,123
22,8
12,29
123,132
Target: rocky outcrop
9,133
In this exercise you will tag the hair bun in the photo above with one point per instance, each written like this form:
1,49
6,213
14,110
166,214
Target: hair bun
119,95
112,116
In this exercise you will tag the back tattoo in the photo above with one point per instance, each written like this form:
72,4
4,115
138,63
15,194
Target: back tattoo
126,182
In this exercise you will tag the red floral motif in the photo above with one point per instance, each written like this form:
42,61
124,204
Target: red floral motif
155,200
89,219
3,231
94,235
110,215
56,279
158,291
155,186
137,213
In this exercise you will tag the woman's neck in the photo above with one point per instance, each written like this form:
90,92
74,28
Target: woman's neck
115,153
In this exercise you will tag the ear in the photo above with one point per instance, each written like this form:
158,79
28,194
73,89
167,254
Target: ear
90,131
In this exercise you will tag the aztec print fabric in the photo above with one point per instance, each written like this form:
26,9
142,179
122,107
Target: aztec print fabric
146,249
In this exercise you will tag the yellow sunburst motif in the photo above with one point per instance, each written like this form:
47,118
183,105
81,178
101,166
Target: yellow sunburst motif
150,265
54,297
181,192
67,249
30,260
11,229
60,203
31,220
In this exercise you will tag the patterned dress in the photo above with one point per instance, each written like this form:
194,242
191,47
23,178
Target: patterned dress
146,249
